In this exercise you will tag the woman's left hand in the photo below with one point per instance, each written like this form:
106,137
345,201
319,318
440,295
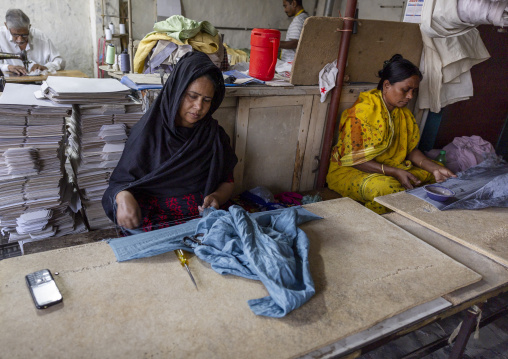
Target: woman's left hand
209,201
441,174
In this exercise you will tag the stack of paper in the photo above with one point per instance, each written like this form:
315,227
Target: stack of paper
33,185
94,148
131,116
75,90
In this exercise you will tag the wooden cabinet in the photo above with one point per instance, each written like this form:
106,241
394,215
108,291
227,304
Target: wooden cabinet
277,134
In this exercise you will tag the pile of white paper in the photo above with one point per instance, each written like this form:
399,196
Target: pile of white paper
130,117
96,139
34,191
75,90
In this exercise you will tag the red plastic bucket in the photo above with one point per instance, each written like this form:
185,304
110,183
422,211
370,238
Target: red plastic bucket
263,53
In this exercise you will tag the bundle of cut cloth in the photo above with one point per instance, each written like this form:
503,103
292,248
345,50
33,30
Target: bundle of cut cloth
452,45
265,246
174,37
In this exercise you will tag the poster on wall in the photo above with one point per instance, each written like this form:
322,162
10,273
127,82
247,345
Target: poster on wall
413,11
167,8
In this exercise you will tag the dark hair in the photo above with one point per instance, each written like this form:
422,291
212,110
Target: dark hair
298,2
397,69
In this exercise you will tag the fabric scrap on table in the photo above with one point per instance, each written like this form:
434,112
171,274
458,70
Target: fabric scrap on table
265,246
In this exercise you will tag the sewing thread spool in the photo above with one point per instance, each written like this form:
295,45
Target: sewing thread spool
122,29
110,54
112,28
125,65
107,33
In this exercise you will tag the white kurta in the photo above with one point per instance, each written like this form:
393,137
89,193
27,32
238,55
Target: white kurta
40,50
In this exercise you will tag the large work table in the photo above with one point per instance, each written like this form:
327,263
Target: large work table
375,277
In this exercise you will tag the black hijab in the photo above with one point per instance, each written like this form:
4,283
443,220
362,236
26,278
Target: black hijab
165,160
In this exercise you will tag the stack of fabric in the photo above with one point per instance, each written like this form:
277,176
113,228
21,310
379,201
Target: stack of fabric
174,37
35,193
97,135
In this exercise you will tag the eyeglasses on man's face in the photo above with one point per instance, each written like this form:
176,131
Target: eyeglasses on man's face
18,35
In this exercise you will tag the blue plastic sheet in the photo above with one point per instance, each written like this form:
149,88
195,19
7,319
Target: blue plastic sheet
266,246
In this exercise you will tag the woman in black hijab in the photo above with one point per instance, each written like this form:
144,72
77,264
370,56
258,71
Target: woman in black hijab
178,160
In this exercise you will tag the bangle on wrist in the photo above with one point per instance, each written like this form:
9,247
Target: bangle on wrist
420,165
383,169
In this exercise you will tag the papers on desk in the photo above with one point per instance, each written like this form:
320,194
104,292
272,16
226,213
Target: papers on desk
74,90
97,135
32,181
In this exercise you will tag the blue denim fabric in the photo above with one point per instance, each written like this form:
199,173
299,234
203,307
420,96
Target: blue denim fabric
266,246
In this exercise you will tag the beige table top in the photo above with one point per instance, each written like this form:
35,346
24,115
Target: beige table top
485,230
365,269
494,275
23,79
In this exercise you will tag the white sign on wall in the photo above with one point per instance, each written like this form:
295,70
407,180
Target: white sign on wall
413,11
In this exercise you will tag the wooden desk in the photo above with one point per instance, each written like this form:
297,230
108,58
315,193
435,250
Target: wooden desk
28,79
149,307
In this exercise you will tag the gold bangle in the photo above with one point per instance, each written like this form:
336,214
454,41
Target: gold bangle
383,168
420,165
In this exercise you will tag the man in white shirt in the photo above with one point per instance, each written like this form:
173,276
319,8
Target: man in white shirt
18,35
292,8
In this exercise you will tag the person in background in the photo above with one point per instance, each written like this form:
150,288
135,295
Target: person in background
376,152
292,8
18,35
178,160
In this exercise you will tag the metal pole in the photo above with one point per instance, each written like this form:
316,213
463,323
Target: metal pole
329,7
131,44
336,92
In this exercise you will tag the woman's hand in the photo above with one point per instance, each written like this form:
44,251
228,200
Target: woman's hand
209,201
441,174
128,213
406,179
219,197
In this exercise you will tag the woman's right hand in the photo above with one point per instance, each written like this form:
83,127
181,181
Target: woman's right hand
406,179
128,213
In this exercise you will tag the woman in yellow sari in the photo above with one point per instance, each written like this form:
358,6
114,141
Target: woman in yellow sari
376,151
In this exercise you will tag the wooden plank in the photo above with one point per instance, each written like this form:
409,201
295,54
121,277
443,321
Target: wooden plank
22,79
494,275
263,102
229,102
271,147
149,307
375,42
302,143
484,231
314,143
242,125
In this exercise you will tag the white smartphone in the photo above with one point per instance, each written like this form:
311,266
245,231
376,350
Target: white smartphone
43,289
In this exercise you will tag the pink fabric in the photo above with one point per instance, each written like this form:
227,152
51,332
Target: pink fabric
289,198
465,152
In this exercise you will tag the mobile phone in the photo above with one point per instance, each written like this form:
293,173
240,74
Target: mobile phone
43,289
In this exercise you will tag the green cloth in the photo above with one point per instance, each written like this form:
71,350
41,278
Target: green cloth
181,28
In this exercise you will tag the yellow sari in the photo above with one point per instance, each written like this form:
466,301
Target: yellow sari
368,131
